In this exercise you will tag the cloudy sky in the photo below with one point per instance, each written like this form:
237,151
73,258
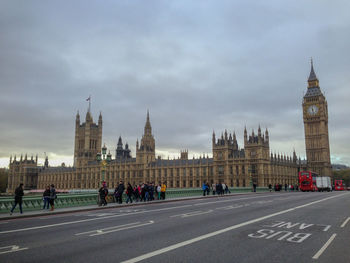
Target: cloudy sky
198,66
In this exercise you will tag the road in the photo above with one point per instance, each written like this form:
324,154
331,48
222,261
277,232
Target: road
269,227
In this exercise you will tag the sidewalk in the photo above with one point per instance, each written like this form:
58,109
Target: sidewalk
47,212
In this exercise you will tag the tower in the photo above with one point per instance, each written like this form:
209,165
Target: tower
145,153
88,139
315,115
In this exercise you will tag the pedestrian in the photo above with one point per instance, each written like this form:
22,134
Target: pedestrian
208,189
151,191
53,196
270,188
119,190
129,193
223,186
285,187
159,190
162,190
204,188
136,193
18,199
227,190
213,186
145,188
46,197
103,192
254,187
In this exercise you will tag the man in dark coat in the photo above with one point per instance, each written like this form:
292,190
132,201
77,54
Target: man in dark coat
18,199
119,192
103,193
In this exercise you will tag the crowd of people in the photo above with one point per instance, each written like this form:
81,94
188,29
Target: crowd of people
138,193
219,189
49,197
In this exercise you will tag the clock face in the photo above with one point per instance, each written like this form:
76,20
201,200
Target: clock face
312,110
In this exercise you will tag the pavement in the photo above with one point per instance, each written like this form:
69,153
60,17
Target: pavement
268,227
64,210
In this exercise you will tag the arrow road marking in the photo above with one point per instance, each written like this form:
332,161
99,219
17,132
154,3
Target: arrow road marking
9,249
107,230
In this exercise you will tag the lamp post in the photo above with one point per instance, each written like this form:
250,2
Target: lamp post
103,159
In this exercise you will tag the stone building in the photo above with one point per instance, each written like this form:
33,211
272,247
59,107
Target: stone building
236,166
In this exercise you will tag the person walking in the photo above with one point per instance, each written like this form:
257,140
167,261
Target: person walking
18,199
270,188
119,190
53,196
204,188
46,197
129,193
159,190
162,190
103,192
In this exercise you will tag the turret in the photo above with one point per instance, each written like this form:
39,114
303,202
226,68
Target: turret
213,138
77,120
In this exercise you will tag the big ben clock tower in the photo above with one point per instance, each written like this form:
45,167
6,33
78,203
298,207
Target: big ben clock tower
315,114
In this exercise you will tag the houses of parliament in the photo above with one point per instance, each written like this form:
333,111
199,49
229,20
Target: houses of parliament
236,166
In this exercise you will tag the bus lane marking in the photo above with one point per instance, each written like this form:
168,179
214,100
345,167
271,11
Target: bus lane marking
221,231
10,249
345,222
319,253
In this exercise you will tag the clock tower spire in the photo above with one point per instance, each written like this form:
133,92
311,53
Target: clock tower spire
315,115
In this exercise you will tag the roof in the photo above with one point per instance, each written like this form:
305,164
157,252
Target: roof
313,91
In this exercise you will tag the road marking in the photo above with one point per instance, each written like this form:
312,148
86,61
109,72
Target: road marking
88,220
230,200
114,229
319,253
194,213
215,233
10,249
229,207
347,220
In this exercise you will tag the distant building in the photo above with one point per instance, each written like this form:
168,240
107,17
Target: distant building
234,165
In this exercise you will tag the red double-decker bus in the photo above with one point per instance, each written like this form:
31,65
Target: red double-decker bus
307,181
339,185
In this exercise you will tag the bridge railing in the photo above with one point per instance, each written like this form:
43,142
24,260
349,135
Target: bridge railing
36,202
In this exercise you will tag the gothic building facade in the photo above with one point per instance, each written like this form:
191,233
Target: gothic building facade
236,166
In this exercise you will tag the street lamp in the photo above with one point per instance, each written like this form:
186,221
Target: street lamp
104,159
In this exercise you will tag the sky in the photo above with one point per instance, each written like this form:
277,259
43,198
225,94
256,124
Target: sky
197,66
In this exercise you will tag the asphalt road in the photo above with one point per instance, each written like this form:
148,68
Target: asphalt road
269,227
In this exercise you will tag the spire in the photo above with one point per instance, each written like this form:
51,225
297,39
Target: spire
312,76
148,128
259,131
100,118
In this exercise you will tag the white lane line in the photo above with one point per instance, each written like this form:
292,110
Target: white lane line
12,248
193,240
90,219
347,220
107,228
120,229
194,213
231,200
319,253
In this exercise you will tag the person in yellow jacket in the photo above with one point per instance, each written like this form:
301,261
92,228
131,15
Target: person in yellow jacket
162,191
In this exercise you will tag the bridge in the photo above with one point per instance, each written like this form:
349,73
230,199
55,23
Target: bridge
240,227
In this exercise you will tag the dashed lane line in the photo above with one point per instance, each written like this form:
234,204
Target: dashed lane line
346,220
319,253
